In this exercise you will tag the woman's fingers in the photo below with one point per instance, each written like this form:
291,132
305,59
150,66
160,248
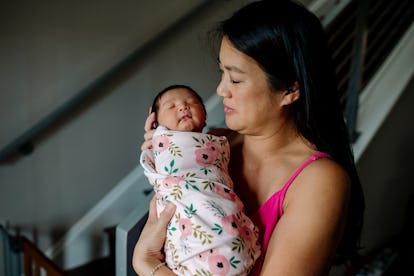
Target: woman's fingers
166,215
152,214
147,144
149,123
149,131
148,134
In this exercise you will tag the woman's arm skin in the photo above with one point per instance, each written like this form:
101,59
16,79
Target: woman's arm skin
148,250
307,235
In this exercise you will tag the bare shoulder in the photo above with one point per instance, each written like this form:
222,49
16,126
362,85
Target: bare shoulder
320,191
324,175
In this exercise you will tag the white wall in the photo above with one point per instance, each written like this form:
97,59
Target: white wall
50,50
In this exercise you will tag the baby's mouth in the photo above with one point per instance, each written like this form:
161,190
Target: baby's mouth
186,117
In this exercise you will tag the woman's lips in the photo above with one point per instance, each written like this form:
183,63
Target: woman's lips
228,110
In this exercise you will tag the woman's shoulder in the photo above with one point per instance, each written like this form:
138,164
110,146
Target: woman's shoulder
324,177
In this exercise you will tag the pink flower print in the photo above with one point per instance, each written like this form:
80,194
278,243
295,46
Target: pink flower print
231,225
205,157
225,192
213,148
171,181
219,265
161,143
247,233
203,256
185,227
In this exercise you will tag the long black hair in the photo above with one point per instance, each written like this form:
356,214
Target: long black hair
288,42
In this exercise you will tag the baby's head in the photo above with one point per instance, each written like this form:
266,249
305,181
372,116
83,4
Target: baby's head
179,107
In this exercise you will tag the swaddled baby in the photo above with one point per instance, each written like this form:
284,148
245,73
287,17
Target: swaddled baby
209,231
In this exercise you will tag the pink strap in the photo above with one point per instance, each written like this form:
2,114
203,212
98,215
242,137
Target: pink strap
297,172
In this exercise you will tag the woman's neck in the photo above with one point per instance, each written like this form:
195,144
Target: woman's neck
271,142
268,161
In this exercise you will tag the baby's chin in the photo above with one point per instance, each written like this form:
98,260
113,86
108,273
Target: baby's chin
189,126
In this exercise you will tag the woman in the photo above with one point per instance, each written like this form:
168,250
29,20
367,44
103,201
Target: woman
293,167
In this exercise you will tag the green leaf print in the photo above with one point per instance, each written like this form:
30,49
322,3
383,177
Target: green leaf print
202,272
189,183
176,193
208,185
216,208
234,262
218,228
170,229
238,244
202,235
171,169
205,170
196,139
174,150
190,211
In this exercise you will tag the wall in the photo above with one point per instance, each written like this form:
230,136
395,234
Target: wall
50,51
386,174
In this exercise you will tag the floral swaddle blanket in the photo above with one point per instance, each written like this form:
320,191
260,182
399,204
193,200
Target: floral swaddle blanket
209,234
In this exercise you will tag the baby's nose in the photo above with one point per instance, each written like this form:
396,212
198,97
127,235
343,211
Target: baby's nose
184,107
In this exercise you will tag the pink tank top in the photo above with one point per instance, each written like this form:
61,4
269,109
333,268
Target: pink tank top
270,212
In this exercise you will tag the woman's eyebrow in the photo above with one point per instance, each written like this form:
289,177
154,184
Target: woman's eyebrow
231,68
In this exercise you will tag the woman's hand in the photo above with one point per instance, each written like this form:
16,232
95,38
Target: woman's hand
148,250
149,131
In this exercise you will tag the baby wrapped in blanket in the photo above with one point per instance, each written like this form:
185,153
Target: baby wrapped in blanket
209,233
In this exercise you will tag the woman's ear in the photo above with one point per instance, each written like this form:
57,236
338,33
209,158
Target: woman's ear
291,94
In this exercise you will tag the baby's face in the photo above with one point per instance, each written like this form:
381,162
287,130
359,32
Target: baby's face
179,109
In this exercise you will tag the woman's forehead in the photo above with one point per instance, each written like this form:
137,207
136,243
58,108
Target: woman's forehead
234,60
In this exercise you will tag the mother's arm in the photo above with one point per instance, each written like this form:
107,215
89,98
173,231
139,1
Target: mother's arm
306,237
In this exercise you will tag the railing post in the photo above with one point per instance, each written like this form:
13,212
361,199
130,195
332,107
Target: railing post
357,65
11,253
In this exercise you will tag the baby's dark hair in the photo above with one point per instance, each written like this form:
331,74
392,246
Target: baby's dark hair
155,103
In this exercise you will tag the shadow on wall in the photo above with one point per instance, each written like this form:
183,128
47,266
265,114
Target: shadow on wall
386,169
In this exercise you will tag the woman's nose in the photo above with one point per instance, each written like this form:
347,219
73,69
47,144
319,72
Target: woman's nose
221,90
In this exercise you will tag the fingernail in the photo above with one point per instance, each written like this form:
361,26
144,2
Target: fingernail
149,110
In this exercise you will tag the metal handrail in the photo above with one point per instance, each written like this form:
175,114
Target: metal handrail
357,63
358,46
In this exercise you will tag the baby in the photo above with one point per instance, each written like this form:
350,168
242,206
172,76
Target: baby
209,233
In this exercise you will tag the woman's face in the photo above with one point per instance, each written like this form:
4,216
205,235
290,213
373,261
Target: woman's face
250,105
179,109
